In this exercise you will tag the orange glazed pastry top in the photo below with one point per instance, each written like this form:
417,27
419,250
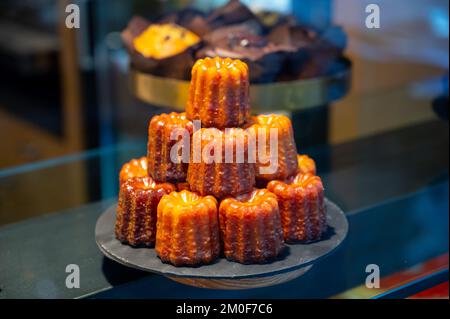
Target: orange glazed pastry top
160,41
285,164
134,168
187,229
299,180
250,226
160,165
219,93
306,165
253,200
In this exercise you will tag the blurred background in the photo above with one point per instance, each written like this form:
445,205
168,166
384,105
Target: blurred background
66,108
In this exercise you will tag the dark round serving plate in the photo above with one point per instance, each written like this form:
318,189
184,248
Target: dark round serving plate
223,274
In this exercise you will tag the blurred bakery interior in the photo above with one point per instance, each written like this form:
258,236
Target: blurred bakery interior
65,93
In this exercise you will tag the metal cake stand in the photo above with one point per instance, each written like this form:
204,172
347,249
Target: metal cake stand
289,96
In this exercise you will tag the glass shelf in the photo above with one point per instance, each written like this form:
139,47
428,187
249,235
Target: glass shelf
393,187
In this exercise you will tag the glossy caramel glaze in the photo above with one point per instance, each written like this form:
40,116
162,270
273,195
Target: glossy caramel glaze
219,93
284,159
184,186
136,211
160,165
187,229
250,227
306,165
229,172
302,207
134,168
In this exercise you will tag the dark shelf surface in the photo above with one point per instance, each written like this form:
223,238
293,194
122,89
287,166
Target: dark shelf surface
393,187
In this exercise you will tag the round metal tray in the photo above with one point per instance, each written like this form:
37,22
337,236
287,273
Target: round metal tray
224,274
289,96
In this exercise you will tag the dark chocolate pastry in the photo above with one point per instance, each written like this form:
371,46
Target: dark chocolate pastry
313,53
160,49
327,49
264,58
298,41
189,18
271,19
233,12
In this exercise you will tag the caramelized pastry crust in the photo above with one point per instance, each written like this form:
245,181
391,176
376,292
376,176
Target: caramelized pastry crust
219,164
219,93
134,168
188,229
184,186
136,211
281,162
160,164
250,227
306,165
302,207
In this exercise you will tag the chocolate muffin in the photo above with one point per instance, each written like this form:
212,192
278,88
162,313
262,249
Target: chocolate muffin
189,18
160,49
233,12
264,58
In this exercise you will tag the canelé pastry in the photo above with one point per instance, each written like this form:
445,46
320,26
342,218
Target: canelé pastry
188,229
278,158
306,165
250,227
219,93
168,157
183,186
219,163
136,211
302,208
134,168
160,49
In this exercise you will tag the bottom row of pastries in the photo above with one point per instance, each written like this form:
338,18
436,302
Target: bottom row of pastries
189,229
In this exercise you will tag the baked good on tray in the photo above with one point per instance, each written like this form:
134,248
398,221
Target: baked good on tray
264,58
187,229
276,160
134,168
250,227
189,18
306,165
213,171
302,207
136,211
160,49
276,47
219,93
166,131
221,161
